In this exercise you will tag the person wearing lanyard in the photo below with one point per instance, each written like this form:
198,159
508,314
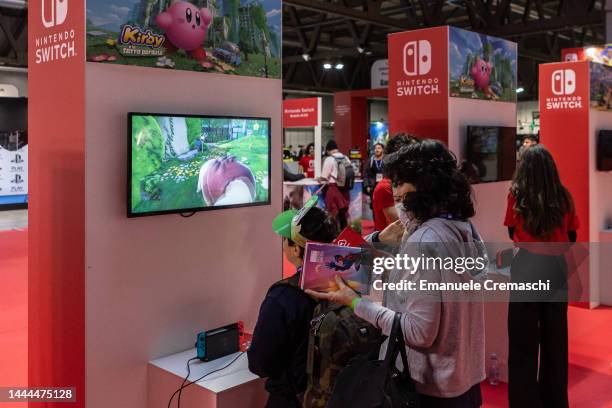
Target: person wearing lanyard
541,220
384,206
373,171
444,336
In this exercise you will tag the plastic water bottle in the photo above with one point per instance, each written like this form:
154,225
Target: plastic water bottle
493,370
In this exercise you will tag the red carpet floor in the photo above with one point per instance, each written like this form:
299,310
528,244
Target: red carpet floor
590,356
13,310
590,336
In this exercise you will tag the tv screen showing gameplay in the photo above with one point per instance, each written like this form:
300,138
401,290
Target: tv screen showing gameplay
182,164
491,153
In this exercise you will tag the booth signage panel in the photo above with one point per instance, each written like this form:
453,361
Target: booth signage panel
596,53
13,175
379,74
572,54
418,82
56,188
564,121
301,112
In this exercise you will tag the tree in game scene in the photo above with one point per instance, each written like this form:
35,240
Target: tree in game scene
245,43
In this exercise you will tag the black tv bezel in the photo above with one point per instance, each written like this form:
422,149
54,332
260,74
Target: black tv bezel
131,214
469,152
599,148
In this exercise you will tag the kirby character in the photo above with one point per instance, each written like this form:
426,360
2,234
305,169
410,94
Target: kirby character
225,181
481,73
185,27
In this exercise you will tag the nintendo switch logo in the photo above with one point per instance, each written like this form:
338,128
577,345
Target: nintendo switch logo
417,58
571,57
59,11
564,82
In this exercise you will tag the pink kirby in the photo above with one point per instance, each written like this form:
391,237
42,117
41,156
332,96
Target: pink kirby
481,72
185,25
226,181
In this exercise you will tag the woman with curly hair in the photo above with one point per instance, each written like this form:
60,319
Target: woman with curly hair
443,330
541,220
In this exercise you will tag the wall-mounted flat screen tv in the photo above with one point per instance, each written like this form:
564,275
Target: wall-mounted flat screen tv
604,150
185,163
491,153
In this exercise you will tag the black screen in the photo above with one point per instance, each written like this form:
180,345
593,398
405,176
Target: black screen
491,153
222,342
604,150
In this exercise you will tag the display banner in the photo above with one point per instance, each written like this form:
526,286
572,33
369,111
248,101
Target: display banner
418,82
301,112
56,235
239,37
564,129
379,74
596,53
601,86
572,54
481,66
13,167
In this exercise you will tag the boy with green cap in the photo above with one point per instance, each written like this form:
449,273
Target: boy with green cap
280,340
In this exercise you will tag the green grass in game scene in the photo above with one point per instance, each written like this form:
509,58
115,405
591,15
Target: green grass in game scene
159,185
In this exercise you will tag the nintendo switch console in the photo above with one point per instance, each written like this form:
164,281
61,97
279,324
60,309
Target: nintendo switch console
216,343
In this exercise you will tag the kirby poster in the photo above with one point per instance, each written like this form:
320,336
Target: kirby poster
601,86
481,67
235,37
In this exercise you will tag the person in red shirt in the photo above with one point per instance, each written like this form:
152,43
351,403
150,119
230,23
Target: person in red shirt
383,202
541,220
307,161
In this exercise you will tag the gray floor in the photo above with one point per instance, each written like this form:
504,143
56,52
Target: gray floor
17,219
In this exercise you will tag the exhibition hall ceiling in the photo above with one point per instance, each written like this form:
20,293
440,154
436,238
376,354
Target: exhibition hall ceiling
354,33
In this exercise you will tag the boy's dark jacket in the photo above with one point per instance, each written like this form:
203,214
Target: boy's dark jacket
280,341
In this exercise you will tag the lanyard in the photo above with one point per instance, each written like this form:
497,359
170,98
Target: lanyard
378,164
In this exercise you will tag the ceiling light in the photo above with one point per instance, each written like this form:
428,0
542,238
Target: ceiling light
327,65
360,49
306,57
339,66
520,89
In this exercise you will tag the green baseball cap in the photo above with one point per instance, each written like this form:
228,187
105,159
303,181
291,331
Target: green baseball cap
282,223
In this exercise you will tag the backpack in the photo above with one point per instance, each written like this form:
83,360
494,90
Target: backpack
346,173
336,336
367,382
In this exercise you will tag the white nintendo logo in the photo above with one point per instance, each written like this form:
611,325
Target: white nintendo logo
564,82
417,58
59,11
571,57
